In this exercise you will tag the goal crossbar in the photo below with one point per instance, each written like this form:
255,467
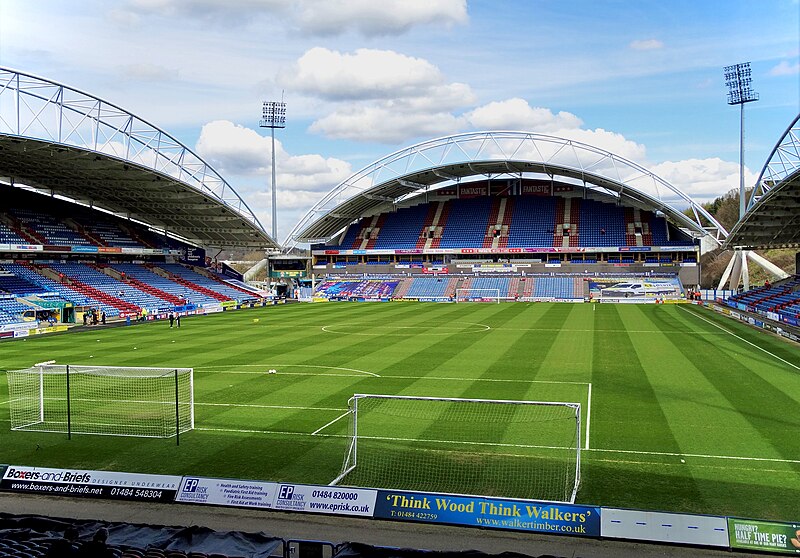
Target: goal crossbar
105,400
479,447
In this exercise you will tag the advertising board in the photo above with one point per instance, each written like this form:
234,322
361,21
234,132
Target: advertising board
766,536
95,484
490,513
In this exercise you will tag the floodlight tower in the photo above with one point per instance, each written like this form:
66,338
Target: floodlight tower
738,80
273,115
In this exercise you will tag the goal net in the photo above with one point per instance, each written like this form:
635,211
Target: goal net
479,447
478,295
109,400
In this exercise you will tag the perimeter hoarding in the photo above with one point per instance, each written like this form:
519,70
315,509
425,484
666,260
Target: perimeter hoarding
95,484
490,513
766,536
277,496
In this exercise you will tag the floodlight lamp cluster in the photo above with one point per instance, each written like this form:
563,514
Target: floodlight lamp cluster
738,80
273,115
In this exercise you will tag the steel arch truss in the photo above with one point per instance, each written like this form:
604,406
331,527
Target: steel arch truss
783,162
773,210
32,108
414,170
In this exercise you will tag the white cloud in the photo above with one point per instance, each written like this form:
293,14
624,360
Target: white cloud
702,179
646,44
384,124
240,151
318,17
229,11
785,69
372,18
610,141
365,74
145,72
378,95
517,114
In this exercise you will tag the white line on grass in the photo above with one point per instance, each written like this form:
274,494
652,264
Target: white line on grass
588,415
386,438
256,406
698,455
741,338
441,330
489,380
321,428
6,402
223,367
724,467
565,330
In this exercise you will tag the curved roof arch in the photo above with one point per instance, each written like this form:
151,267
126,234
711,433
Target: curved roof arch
417,169
63,141
773,209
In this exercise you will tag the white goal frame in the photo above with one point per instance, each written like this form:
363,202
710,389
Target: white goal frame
495,294
350,461
142,402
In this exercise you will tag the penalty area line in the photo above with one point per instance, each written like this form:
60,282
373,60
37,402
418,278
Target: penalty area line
488,380
588,415
741,338
321,428
699,455
272,432
257,406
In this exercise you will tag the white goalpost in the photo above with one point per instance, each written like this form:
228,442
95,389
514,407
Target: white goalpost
478,295
105,400
477,447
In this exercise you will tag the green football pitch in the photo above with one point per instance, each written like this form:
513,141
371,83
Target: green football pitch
681,409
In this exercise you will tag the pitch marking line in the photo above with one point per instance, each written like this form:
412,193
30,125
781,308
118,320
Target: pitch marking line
321,428
388,330
565,330
741,338
725,467
489,380
223,367
699,455
588,415
256,406
595,450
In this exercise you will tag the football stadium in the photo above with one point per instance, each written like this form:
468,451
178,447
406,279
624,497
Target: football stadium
538,355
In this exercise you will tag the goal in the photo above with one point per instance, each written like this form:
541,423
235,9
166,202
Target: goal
107,400
477,447
478,295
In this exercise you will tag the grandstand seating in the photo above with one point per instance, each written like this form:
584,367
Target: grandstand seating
172,288
512,222
30,273
429,287
400,229
467,222
10,283
476,287
202,283
557,287
125,296
9,236
783,297
49,229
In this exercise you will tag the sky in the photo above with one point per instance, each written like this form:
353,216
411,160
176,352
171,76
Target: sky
364,78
